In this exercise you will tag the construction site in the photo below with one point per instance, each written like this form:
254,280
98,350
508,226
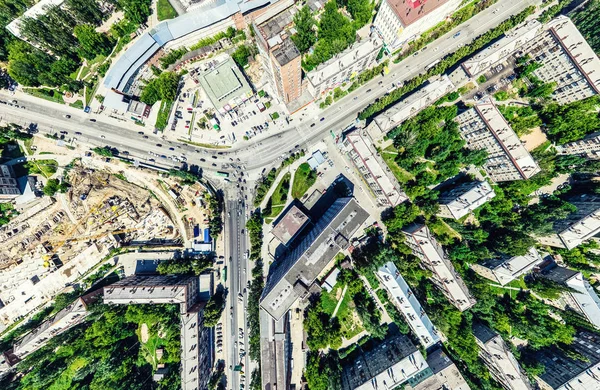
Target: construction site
59,239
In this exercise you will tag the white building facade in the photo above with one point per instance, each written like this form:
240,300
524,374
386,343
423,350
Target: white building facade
461,200
504,271
400,21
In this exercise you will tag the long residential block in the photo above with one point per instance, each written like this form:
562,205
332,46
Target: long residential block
373,169
564,372
360,56
580,296
390,364
433,257
484,127
563,53
461,200
498,358
588,147
407,303
577,227
504,270
411,105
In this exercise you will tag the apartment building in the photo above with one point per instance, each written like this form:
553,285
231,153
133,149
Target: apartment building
588,147
461,200
291,277
567,60
360,56
62,321
391,363
445,374
9,188
484,127
580,296
280,57
433,257
400,21
577,227
568,372
498,358
373,170
196,343
563,53
504,270
407,303
411,106
500,50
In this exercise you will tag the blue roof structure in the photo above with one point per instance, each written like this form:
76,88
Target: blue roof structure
129,63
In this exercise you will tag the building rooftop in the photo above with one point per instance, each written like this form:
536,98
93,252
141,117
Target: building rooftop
507,269
483,333
581,225
290,277
579,374
376,168
273,27
409,11
502,48
345,59
286,52
441,266
224,82
290,225
414,103
466,197
387,365
577,48
489,117
404,299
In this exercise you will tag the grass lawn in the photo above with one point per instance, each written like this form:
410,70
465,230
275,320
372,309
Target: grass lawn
163,114
279,196
28,143
46,168
77,104
328,300
48,94
388,155
304,178
201,145
443,232
351,325
165,10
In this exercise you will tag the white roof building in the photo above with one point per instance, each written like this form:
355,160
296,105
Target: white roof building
408,304
36,10
582,298
577,227
461,200
504,271
484,127
434,258
502,364
413,104
345,65
375,172
501,49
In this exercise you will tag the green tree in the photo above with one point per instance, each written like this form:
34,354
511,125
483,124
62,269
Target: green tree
240,55
136,10
572,121
305,35
214,308
92,43
164,87
361,11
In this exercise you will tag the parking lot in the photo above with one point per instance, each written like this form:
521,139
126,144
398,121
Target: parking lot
195,118
498,78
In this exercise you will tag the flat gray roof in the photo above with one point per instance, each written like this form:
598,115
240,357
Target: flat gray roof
224,82
290,277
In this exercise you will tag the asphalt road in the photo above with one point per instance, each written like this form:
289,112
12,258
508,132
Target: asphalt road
260,153
237,269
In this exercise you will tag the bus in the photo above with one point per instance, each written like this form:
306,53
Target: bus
222,174
434,63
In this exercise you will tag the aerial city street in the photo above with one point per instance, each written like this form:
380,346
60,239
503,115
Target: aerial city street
281,194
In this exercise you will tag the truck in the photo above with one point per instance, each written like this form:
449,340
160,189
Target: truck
222,174
434,63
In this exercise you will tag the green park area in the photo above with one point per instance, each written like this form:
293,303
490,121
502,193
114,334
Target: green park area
304,178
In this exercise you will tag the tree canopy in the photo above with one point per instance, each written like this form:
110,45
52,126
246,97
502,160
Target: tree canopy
305,35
